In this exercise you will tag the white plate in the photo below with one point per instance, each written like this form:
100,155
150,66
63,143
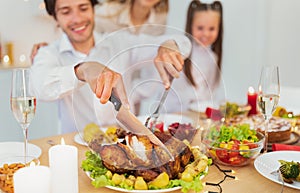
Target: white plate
78,138
265,164
201,106
168,119
11,150
146,191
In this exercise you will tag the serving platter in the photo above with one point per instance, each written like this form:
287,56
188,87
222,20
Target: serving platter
145,191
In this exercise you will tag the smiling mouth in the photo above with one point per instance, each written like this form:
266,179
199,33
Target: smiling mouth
79,28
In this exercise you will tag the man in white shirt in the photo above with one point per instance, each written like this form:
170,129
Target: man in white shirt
71,69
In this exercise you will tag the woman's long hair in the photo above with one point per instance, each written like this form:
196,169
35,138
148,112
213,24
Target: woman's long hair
216,47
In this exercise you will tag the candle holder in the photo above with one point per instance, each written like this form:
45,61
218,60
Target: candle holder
252,101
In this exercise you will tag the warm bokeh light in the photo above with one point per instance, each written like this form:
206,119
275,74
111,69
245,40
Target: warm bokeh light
62,141
42,6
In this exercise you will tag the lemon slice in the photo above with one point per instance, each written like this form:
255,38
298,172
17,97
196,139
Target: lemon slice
279,111
90,131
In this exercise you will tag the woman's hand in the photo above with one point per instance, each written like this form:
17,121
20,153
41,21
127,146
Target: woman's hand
168,62
35,49
102,81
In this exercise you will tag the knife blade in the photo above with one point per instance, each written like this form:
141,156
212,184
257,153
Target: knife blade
131,122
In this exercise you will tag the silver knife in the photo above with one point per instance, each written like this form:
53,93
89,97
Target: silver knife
131,122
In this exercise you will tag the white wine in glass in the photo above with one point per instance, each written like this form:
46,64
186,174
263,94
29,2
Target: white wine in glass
268,95
22,102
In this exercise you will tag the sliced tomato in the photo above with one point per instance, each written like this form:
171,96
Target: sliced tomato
160,126
222,155
237,160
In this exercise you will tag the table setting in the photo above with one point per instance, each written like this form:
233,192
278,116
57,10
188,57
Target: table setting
207,149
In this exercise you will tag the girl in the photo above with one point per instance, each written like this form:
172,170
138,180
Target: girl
202,69
142,16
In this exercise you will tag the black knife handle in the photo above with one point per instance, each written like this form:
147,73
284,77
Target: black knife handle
115,101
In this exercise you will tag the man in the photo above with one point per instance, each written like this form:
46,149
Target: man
72,71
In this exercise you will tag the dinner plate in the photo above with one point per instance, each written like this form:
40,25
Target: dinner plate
10,151
78,138
267,163
168,119
200,106
146,191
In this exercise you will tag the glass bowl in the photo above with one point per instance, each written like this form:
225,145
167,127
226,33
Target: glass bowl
234,153
8,166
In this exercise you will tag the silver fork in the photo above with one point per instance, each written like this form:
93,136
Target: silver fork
279,174
154,116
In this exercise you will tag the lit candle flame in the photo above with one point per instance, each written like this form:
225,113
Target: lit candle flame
22,58
251,90
6,59
62,141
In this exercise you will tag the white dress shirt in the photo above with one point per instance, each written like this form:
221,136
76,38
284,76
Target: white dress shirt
53,77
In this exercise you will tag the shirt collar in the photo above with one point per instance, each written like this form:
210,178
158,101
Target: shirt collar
65,44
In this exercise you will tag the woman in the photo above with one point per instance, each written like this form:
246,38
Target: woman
139,16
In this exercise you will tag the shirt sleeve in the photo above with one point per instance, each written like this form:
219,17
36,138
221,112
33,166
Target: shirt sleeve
49,79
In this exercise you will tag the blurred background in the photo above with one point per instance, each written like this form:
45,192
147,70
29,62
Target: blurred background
256,33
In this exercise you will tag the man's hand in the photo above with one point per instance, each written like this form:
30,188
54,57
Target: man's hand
102,81
168,62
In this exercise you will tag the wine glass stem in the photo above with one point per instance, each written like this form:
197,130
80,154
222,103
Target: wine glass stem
25,132
266,134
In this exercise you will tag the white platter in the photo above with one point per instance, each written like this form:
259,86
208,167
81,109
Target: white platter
146,191
168,119
78,138
10,152
265,164
200,106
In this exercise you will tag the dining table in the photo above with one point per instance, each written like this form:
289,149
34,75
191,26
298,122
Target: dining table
246,178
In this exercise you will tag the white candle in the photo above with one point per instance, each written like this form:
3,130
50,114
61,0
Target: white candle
35,179
63,162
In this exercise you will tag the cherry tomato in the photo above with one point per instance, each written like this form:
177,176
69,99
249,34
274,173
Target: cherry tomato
223,155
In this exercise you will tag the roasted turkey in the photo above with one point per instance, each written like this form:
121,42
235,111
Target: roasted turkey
137,155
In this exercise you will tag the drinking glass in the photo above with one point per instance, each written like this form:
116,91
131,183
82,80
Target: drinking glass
22,102
268,95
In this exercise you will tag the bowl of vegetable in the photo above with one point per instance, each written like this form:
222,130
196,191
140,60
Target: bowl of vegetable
233,145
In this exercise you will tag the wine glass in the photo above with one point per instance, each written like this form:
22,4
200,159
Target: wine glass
268,95
22,102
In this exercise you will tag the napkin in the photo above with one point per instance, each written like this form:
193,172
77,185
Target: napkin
214,114
281,147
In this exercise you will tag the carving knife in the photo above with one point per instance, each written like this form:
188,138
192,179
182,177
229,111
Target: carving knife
131,122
